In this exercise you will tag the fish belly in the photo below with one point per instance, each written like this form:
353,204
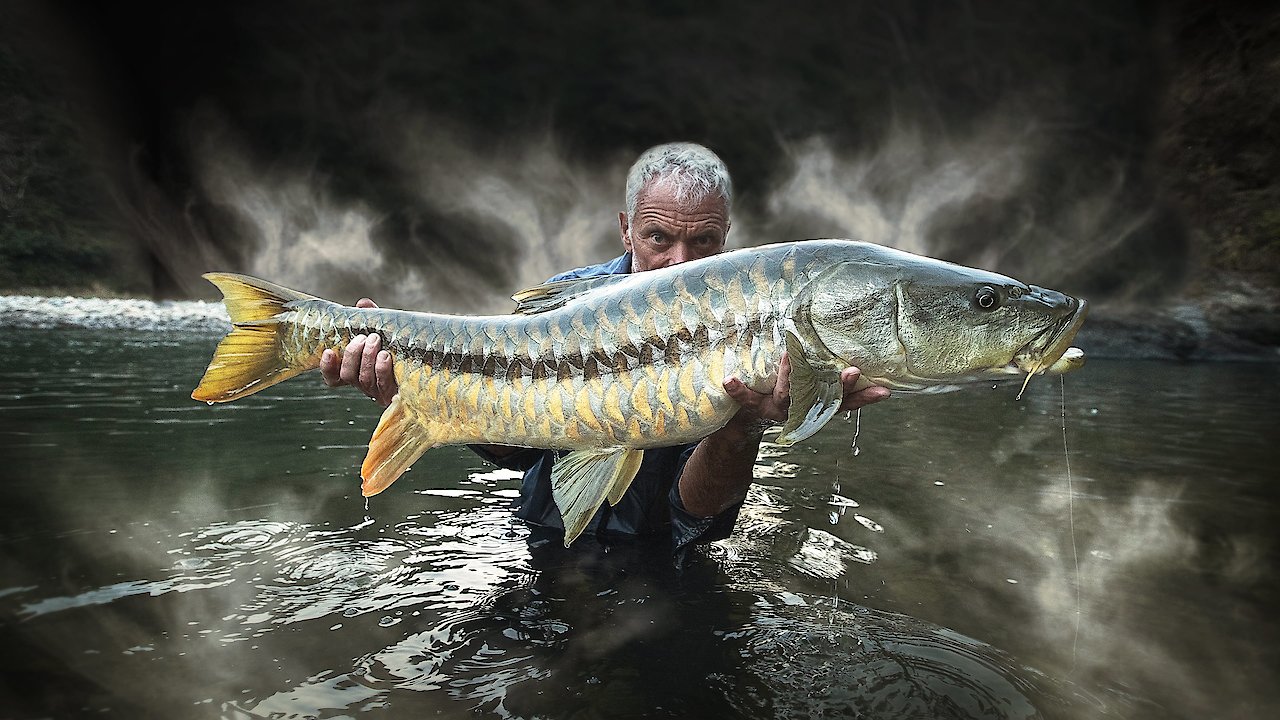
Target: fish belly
640,369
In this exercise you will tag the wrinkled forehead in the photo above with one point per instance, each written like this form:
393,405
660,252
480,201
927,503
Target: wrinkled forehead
662,202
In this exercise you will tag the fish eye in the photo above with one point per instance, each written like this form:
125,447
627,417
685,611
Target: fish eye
986,298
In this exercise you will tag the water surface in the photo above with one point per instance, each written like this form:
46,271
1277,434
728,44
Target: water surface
163,558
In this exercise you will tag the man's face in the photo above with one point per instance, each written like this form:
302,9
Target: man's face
666,232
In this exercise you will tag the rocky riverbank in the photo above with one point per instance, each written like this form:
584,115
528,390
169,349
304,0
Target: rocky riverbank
34,312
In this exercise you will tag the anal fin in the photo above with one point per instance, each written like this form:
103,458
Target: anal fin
582,480
396,444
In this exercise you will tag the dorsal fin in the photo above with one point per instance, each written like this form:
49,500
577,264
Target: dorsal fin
549,296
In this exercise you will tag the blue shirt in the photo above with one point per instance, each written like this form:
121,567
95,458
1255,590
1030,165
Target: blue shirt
651,506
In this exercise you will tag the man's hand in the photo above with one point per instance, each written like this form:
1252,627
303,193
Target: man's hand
764,406
363,364
720,470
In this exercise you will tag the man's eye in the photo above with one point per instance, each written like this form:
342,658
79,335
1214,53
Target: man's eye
657,237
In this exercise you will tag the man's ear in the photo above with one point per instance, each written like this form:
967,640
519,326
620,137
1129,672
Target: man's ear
624,228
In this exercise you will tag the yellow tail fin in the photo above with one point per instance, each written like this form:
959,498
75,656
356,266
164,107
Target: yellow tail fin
249,359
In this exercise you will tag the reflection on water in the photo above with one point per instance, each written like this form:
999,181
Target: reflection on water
163,558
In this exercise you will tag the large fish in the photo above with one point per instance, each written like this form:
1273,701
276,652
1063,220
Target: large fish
609,366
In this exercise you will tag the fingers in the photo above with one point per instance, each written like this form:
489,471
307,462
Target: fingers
782,388
866,396
854,397
368,382
330,367
740,393
350,372
363,364
384,374
762,406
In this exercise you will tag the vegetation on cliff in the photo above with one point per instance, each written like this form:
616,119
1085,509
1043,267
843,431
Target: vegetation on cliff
1156,177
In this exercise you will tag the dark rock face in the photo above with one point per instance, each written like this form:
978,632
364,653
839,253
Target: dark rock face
1239,321
1145,143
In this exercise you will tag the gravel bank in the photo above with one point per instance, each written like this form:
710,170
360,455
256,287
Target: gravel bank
25,311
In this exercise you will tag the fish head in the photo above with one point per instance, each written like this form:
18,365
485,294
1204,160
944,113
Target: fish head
932,324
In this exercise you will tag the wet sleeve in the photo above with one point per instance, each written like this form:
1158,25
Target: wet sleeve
520,460
688,530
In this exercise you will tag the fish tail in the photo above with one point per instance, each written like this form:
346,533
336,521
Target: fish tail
252,356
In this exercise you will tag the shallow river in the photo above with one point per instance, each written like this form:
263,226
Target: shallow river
163,558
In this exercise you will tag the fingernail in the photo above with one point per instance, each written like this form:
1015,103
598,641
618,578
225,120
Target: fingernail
384,355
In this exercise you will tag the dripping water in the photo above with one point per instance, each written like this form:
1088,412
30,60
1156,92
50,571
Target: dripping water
835,515
856,415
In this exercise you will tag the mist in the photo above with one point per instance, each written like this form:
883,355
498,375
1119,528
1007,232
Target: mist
442,159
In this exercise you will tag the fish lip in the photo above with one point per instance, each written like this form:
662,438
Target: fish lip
1047,348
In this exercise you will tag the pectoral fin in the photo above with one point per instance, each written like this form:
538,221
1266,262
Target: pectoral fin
582,480
397,443
816,393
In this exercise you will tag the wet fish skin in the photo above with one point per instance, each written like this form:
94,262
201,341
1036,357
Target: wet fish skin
641,366
611,366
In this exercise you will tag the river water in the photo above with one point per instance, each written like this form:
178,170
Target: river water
163,558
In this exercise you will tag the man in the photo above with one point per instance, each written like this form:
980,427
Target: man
678,198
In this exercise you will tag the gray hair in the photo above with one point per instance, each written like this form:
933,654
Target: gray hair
695,170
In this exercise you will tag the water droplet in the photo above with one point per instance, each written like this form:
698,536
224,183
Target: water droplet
857,428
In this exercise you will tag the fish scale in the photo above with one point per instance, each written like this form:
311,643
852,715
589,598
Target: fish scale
608,367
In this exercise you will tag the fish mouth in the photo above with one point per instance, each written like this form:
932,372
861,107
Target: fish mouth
1051,350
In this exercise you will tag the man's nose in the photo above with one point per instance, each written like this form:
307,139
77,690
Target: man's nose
681,252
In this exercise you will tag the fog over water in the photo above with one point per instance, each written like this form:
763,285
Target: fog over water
440,159
951,569
170,559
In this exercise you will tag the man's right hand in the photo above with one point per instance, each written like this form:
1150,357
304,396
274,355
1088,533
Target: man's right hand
363,364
